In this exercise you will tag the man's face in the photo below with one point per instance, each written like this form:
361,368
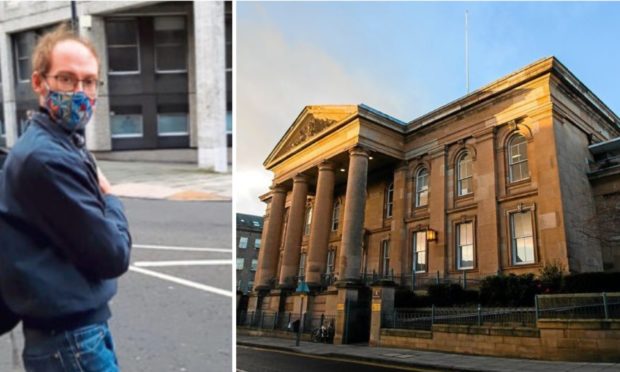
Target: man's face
70,60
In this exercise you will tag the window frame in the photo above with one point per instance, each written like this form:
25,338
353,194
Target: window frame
17,58
459,159
336,216
242,260
385,257
254,265
415,252
155,45
244,239
330,265
521,210
173,134
140,135
257,246
509,156
418,192
308,220
389,200
459,246
302,265
137,46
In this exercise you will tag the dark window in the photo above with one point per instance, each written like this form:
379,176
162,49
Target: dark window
24,45
170,44
389,200
123,46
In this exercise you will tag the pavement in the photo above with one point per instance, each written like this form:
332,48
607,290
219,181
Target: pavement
421,359
169,181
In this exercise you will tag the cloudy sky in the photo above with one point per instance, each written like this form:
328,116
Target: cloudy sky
404,59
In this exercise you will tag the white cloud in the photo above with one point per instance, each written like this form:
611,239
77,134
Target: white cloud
275,80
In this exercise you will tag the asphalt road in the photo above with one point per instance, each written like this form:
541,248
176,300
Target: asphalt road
251,359
177,317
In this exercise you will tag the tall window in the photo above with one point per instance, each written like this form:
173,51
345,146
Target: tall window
385,257
419,251
331,255
464,174
421,187
243,242
517,158
254,264
24,44
522,238
389,200
465,246
308,220
302,265
257,243
336,216
123,46
170,44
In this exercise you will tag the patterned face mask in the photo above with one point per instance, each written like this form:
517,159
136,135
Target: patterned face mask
71,110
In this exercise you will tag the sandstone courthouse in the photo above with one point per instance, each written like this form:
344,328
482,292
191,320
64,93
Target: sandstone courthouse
516,175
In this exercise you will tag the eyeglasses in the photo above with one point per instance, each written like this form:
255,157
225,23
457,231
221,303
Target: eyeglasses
69,82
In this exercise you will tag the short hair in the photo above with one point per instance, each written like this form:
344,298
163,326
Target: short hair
42,54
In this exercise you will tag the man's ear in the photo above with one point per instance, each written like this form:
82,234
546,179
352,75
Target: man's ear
38,85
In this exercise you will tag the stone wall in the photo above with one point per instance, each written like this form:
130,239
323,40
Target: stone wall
569,340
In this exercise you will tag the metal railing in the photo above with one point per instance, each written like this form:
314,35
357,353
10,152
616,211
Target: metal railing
579,306
425,318
284,321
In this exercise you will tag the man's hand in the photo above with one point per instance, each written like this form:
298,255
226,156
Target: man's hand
104,184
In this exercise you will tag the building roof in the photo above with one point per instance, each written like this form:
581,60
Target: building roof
248,221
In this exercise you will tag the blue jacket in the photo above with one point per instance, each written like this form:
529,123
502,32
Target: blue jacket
62,242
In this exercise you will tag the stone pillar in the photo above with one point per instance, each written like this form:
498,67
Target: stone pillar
8,88
485,193
436,251
98,136
382,303
270,250
398,234
294,230
321,225
210,51
353,224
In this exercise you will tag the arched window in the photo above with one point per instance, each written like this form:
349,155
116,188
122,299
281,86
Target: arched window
389,200
308,220
336,216
517,158
421,188
464,174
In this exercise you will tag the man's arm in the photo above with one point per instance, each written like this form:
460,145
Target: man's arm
89,229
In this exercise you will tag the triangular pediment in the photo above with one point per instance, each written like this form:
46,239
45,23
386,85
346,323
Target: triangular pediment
311,122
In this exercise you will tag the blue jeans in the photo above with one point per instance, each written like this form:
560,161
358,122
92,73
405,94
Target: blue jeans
85,349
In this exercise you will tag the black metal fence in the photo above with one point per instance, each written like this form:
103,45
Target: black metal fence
579,306
557,306
425,318
285,321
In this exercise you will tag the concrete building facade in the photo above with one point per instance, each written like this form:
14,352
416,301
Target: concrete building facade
497,181
249,231
166,68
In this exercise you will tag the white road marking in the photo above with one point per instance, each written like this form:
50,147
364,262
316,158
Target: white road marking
184,282
174,248
182,263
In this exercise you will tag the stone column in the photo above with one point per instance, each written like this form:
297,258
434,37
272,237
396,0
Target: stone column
436,256
8,87
398,236
270,250
98,132
355,201
210,51
321,224
294,230
486,252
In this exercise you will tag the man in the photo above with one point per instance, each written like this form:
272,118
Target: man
64,238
